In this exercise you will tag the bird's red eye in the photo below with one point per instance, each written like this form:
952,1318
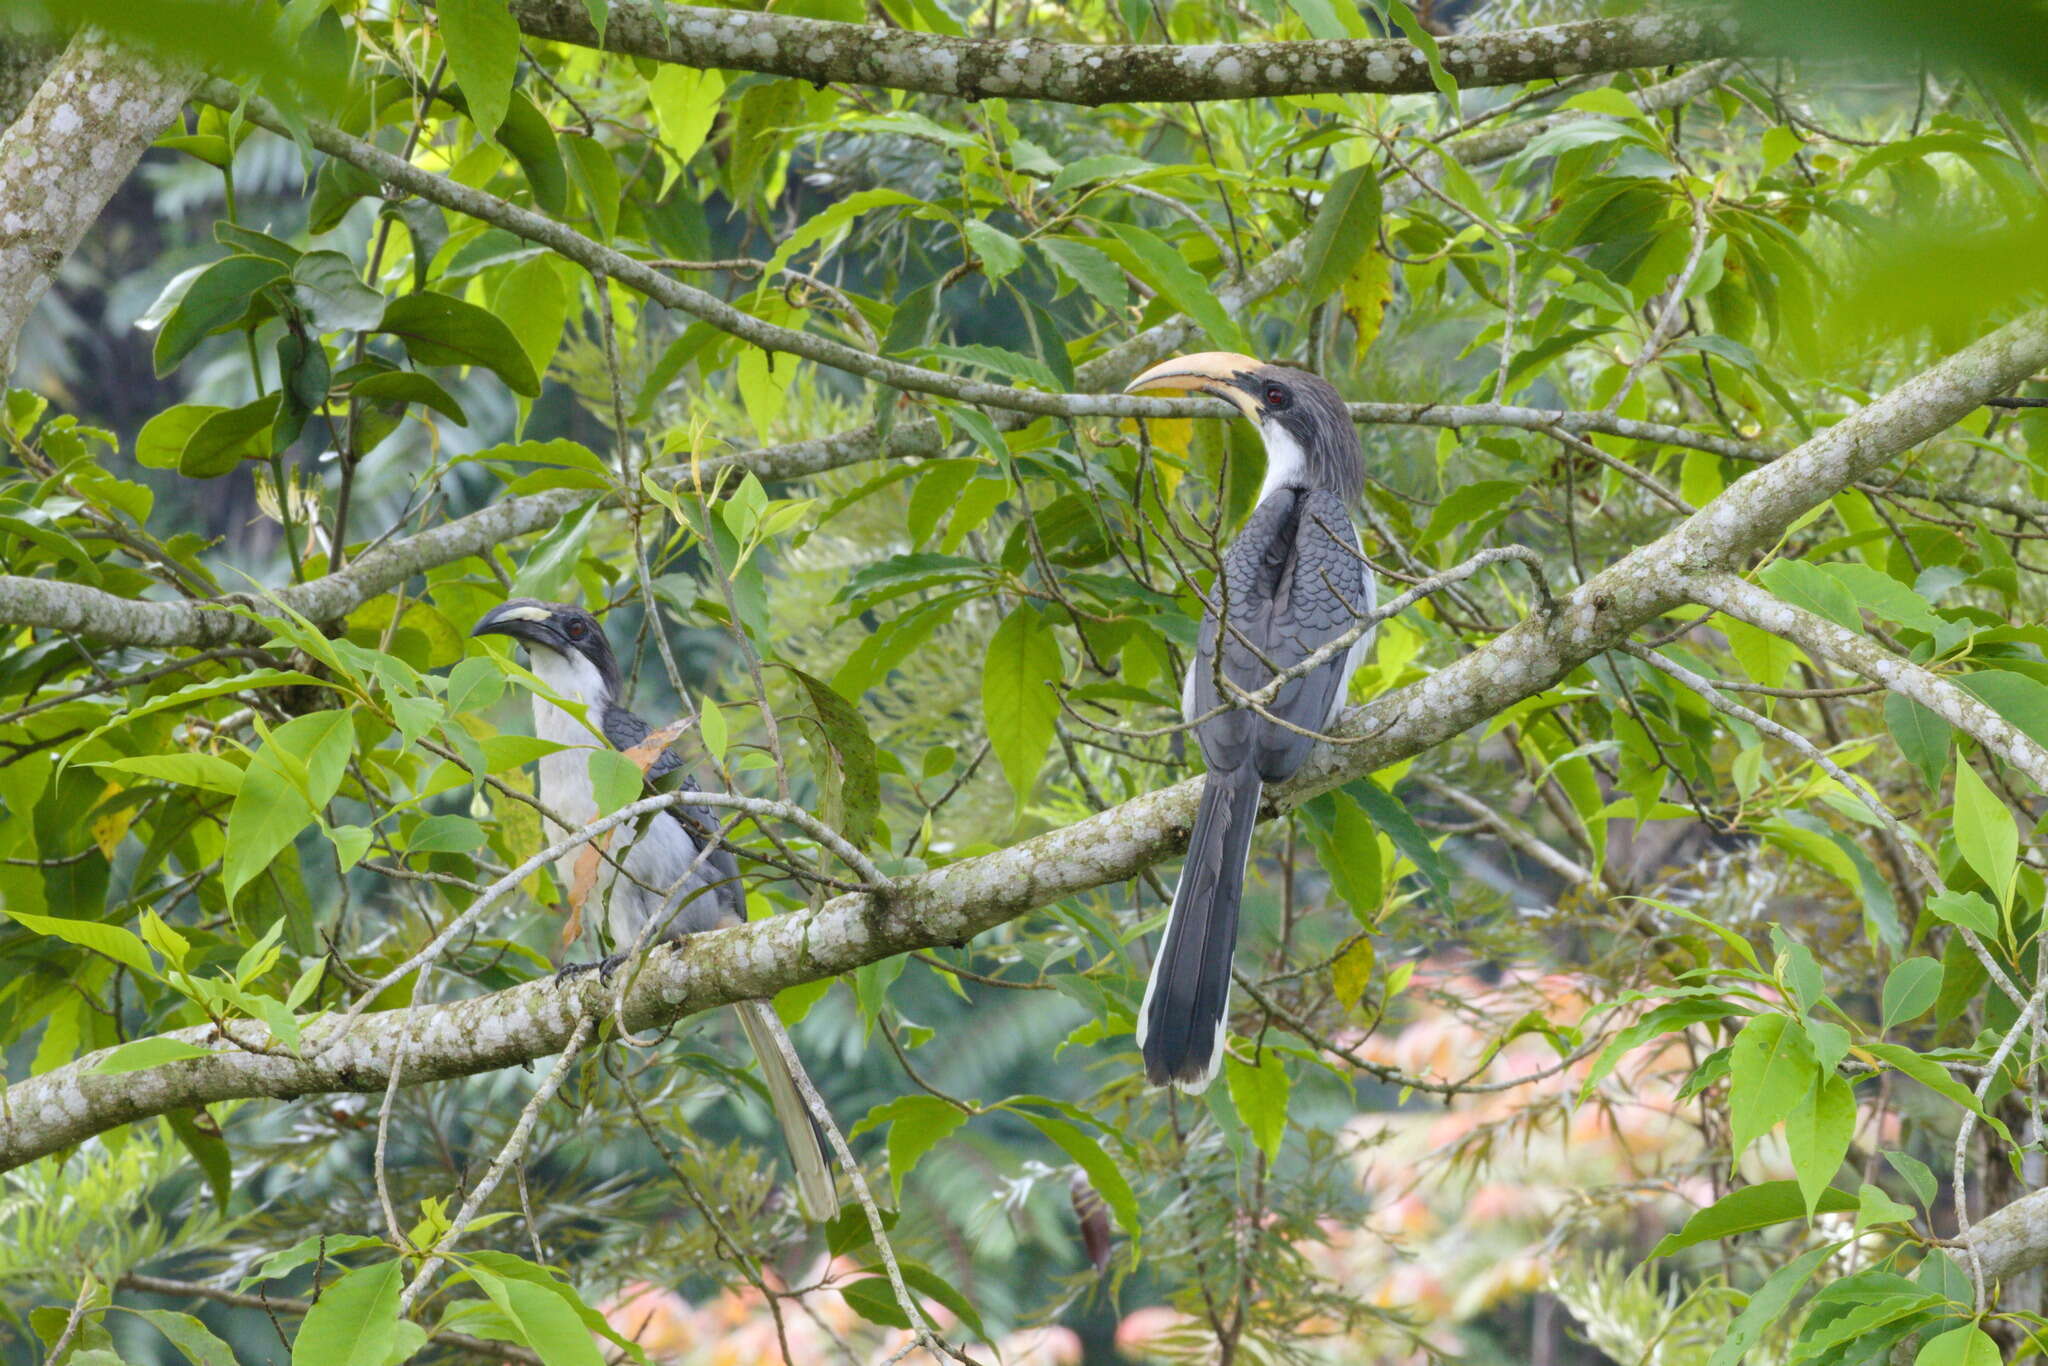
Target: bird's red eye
1276,397
575,630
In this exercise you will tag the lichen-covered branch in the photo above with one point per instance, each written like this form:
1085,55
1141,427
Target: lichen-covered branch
955,903
1819,636
1094,74
82,132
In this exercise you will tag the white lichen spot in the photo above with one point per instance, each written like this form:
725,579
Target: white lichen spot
65,119
1379,68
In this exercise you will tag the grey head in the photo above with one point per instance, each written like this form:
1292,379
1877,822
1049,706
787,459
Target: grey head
1295,412
560,627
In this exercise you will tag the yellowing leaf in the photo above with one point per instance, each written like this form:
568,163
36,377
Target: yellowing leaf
108,829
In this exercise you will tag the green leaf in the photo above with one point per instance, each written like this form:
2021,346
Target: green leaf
1752,1207
1875,1207
223,441
1765,1307
216,298
1986,833
857,793
133,1057
1771,1070
543,1319
326,285
1916,1174
1260,1095
482,43
685,102
1665,1019
439,329
314,1247
1328,20
1089,268
1387,813
1404,19
597,180
446,834
1884,596
1968,910
400,387
999,252
531,141
355,1320
615,780
552,561
188,1335
1934,1077
162,439
1348,848
1102,1173
207,771
116,943
286,784
1804,585
1923,737
1910,989
917,1124
209,1150
1817,1135
1159,265
474,685
1018,703
1346,228
1965,1346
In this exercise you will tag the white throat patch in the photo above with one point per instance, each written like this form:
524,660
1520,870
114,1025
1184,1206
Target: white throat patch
1286,462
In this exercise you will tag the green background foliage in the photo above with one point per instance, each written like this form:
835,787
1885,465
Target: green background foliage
942,625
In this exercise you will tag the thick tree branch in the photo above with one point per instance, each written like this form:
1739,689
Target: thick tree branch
954,904
1819,636
82,132
1096,74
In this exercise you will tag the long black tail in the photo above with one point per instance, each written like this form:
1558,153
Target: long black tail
1181,1023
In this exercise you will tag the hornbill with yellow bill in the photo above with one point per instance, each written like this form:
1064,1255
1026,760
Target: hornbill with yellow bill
669,875
1293,581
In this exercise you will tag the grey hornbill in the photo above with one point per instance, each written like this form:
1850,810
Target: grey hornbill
664,876
1293,581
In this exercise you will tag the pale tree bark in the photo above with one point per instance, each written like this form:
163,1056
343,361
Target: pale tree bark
1827,640
953,904
80,135
1096,74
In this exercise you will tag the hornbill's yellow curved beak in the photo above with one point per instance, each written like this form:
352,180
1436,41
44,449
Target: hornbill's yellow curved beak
1224,374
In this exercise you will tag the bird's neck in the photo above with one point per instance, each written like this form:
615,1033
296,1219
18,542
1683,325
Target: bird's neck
575,679
1289,466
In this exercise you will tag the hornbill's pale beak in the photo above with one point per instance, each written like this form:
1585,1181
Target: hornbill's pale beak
1225,374
523,619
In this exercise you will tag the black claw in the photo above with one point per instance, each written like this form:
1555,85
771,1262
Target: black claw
603,967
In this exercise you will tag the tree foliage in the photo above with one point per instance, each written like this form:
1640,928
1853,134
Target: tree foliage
1670,974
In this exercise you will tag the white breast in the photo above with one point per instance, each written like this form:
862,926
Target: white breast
565,774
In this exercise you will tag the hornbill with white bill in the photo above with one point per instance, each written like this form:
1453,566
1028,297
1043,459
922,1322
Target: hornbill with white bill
1292,581
669,876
